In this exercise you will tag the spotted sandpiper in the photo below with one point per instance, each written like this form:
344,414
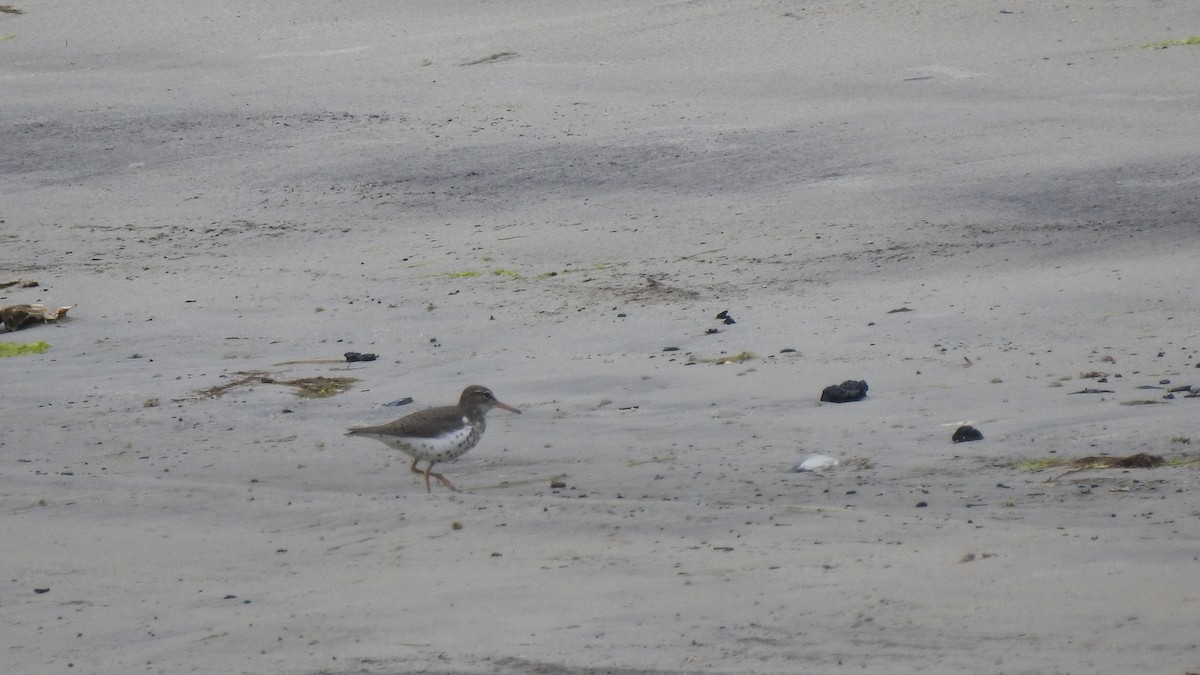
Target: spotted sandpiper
438,434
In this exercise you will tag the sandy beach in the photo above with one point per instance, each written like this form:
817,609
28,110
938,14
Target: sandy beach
987,211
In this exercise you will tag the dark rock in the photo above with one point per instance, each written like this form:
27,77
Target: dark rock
966,433
399,402
850,390
724,316
351,357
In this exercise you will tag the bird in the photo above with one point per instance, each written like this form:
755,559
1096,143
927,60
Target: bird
438,434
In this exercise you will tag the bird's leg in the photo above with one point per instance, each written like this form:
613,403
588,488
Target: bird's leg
440,477
424,473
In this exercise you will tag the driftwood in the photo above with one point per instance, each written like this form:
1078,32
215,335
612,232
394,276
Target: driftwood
16,317
1140,460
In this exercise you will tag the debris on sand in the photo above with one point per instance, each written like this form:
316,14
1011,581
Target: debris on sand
23,283
490,58
1139,460
348,357
306,387
17,317
815,463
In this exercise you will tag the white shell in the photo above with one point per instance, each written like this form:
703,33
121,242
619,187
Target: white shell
816,463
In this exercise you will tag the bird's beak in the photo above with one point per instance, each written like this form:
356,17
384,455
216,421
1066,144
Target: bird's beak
507,407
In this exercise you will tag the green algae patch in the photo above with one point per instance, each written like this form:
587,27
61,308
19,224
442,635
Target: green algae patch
1182,42
22,348
724,360
658,459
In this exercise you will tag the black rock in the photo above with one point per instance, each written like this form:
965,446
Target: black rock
850,390
351,357
966,433
724,316
399,402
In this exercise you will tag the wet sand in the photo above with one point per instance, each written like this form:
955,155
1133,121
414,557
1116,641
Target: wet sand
979,210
